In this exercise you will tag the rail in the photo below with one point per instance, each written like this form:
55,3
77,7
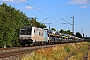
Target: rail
7,52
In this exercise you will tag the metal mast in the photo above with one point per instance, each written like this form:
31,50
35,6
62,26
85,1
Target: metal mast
73,24
48,24
70,23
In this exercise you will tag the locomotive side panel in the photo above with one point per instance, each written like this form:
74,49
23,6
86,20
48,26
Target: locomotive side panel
45,34
37,34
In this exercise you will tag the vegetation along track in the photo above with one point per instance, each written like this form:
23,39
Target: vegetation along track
80,53
58,52
7,52
87,54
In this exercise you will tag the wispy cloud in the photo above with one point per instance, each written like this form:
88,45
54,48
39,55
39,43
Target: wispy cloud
28,7
79,2
15,1
23,0
83,7
7,0
19,1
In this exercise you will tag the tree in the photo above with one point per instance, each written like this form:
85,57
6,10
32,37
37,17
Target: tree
61,31
10,22
78,35
53,29
66,32
35,23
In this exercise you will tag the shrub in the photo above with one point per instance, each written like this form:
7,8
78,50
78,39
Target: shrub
66,48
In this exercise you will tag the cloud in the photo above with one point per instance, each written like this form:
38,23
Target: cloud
83,7
28,7
79,2
15,1
7,0
23,0
20,1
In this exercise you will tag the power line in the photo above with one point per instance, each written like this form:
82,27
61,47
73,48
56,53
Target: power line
51,14
70,23
45,13
43,20
48,24
40,11
66,21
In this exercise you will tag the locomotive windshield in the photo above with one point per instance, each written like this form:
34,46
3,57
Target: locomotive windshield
22,32
25,31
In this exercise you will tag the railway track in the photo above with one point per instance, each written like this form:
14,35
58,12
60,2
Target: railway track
16,51
7,52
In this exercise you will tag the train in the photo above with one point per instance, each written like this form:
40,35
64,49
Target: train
30,35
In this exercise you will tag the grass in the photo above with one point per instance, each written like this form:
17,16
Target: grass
80,52
58,52
89,55
66,48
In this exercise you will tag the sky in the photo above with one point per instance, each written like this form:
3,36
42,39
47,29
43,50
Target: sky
51,11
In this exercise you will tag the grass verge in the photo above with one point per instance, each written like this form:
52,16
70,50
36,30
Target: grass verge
58,52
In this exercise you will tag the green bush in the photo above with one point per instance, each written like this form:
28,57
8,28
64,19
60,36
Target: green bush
66,48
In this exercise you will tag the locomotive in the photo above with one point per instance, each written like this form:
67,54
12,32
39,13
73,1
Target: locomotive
31,35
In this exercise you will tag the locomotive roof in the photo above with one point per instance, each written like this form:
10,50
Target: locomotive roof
27,27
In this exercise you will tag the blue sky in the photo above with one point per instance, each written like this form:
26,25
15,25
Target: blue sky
54,10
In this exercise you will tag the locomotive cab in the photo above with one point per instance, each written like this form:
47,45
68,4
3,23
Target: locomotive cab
31,36
25,36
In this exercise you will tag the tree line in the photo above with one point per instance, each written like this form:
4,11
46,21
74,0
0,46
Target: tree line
10,22
68,32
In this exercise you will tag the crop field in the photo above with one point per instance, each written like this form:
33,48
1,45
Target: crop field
58,52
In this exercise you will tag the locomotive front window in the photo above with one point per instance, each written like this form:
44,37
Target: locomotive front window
22,32
28,31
